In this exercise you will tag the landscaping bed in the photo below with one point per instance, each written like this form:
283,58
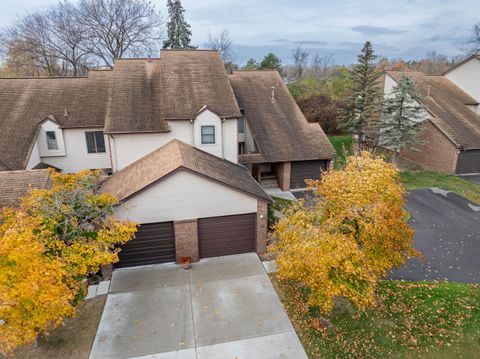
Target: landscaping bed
411,320
73,340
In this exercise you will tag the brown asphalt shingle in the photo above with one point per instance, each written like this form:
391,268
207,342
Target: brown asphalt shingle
447,105
179,155
17,184
25,103
278,126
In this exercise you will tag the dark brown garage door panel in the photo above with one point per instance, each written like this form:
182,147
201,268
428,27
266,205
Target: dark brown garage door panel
153,243
220,236
302,170
468,162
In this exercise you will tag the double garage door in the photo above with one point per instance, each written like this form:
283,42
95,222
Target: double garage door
218,236
468,162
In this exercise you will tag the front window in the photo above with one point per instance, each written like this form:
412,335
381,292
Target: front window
95,141
52,143
208,135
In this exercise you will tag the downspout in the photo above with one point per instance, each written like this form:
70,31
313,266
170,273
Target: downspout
193,132
110,152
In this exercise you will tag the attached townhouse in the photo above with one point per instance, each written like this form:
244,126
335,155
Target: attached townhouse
185,146
452,133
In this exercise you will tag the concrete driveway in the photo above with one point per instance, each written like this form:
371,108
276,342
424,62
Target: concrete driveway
223,307
447,232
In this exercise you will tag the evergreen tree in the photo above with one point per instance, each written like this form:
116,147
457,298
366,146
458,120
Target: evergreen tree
178,30
365,94
251,64
402,117
271,61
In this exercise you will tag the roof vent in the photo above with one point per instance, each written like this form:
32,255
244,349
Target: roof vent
65,113
428,90
273,93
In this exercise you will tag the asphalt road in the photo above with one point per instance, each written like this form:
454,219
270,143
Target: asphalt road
447,232
472,178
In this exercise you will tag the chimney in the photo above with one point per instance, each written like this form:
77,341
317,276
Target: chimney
428,90
273,93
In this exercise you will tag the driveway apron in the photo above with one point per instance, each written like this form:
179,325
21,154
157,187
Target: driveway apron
223,307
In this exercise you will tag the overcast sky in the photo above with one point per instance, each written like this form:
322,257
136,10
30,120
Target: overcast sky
401,28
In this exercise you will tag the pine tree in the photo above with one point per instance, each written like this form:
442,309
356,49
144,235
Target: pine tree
178,30
271,62
362,104
402,117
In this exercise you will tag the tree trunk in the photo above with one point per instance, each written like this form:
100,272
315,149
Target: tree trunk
395,156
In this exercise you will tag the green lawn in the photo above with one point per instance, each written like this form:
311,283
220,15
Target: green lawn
340,142
427,179
411,320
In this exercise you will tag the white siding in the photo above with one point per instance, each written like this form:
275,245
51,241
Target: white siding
208,118
76,156
129,148
230,144
34,157
42,140
467,77
185,195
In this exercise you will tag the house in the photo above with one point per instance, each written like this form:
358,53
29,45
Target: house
186,147
452,133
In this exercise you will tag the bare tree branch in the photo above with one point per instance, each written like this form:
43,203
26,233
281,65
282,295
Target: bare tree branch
221,43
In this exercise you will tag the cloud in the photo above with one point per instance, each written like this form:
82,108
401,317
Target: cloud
374,30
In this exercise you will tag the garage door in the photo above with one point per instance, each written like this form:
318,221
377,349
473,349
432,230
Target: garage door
153,243
221,236
468,162
302,170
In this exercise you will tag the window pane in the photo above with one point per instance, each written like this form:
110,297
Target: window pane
100,141
241,125
90,137
51,140
208,134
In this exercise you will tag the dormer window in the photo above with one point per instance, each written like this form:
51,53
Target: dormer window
52,143
208,135
95,141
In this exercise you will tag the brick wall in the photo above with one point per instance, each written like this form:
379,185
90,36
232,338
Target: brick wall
282,171
186,239
438,154
262,227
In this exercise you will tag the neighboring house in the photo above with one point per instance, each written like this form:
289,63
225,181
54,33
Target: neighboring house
17,184
452,132
182,140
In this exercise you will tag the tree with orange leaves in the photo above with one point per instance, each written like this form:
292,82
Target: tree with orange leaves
353,236
48,245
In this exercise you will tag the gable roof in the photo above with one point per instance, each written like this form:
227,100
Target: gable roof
26,103
138,95
17,184
461,63
278,126
178,155
447,104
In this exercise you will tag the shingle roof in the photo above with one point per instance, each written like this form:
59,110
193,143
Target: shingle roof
447,105
178,155
25,103
279,128
17,184
193,79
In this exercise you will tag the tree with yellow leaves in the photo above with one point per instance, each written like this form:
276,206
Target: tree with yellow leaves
356,232
48,245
